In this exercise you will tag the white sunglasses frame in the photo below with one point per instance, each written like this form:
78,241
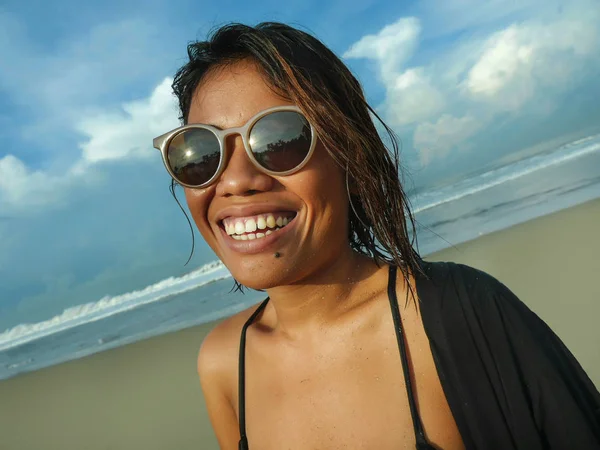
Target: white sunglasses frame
163,141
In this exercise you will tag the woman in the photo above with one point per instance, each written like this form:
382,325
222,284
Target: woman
292,187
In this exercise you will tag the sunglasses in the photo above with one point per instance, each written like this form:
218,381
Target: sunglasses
279,141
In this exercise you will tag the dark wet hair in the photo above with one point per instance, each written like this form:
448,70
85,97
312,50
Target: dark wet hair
301,68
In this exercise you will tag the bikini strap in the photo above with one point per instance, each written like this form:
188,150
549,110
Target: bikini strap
243,444
418,427
419,434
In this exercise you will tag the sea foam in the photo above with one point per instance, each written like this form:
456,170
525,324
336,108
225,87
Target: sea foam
108,306
473,185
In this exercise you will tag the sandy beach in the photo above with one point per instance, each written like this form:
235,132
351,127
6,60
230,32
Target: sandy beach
146,395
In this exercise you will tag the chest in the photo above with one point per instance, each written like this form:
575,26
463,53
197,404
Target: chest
347,393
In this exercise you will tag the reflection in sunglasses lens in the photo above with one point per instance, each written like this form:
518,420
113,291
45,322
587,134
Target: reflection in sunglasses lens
194,156
281,141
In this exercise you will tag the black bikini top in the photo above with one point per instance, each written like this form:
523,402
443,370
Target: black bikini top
421,441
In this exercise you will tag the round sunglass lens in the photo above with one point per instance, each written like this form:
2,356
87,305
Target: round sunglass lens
194,156
281,141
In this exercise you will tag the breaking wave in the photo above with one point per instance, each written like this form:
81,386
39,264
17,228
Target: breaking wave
108,306
473,185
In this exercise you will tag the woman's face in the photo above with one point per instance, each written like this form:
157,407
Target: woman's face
313,200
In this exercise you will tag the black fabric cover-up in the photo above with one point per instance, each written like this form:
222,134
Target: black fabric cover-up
509,380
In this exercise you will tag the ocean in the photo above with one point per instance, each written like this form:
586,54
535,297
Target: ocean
448,215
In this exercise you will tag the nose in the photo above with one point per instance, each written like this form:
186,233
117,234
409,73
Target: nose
241,177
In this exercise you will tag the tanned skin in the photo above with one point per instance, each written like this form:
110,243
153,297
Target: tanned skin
323,369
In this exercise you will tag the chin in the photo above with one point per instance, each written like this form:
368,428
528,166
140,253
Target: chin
258,277
256,284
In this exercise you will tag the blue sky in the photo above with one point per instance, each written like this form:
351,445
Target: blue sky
84,204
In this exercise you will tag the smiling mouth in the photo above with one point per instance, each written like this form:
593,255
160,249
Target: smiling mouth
256,227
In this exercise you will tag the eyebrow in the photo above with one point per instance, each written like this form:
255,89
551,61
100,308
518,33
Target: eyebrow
204,123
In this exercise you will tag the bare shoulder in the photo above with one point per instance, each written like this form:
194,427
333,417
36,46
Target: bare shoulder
219,351
217,368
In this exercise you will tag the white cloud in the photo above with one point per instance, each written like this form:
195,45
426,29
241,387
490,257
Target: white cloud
522,58
390,48
22,187
435,140
128,133
411,98
124,134
410,95
73,88
500,63
509,58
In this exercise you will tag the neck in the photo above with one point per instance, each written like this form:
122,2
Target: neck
323,296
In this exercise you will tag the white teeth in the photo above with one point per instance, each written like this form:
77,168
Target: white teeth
250,226
252,236
240,228
245,230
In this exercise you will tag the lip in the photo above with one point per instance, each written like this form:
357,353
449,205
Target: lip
263,244
250,210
